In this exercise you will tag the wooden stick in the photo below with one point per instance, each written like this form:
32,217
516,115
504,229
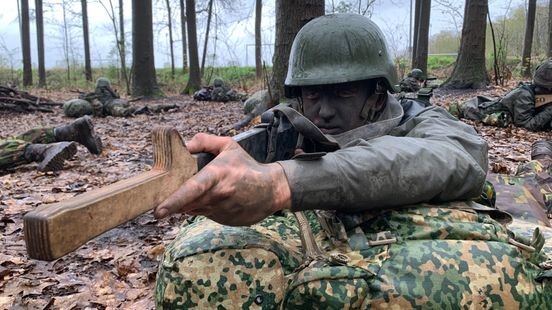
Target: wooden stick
542,99
52,231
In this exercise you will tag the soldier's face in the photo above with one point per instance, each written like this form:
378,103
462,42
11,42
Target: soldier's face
336,108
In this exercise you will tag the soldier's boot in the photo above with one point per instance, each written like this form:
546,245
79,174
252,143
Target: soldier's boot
541,150
81,131
51,156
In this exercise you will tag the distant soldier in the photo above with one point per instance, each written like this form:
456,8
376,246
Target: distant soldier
105,101
254,106
412,83
529,105
218,92
49,146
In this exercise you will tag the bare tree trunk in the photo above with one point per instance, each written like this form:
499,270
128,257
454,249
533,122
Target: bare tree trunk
122,47
26,44
119,39
290,17
528,40
170,37
144,82
194,81
209,14
87,65
549,52
40,43
470,71
495,59
417,8
258,62
420,61
184,39
66,40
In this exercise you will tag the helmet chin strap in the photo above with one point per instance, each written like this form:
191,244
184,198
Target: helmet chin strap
370,112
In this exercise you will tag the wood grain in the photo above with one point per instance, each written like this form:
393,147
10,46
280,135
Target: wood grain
52,231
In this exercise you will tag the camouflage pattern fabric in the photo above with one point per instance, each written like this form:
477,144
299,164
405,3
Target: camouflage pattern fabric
497,119
12,151
105,94
424,256
409,85
118,108
527,196
224,94
77,108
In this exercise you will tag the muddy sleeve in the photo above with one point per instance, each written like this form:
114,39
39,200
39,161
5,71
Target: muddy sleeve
433,157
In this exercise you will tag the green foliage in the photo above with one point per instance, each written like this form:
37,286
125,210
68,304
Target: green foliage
436,62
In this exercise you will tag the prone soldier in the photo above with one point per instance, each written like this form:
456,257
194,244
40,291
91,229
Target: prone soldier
528,106
49,146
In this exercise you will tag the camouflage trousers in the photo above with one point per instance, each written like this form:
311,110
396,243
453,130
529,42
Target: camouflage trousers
482,109
527,196
12,150
425,256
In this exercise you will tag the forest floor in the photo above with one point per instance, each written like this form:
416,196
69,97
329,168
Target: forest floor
118,268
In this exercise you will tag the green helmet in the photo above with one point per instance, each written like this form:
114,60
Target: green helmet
218,82
103,82
338,48
77,108
417,74
543,74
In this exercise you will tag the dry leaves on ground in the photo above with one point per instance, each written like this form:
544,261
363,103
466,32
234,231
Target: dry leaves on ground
117,269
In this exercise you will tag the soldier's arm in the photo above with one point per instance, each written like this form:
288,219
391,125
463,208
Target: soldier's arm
432,157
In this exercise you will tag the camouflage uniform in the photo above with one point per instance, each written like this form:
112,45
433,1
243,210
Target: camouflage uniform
12,150
222,93
409,85
253,107
421,255
382,245
103,101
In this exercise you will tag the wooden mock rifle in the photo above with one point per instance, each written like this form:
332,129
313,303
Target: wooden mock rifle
52,231
541,100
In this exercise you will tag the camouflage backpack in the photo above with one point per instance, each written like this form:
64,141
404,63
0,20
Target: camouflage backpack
77,108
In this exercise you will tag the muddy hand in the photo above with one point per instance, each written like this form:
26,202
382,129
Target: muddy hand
233,189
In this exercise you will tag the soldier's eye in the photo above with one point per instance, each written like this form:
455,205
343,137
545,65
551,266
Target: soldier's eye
310,93
346,92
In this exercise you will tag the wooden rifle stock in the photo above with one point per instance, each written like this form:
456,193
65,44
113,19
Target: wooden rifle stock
52,231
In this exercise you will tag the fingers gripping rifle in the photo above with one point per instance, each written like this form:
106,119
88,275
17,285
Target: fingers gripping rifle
52,231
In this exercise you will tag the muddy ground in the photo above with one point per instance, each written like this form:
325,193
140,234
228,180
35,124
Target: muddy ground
117,269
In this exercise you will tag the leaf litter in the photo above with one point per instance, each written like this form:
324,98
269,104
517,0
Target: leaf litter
117,269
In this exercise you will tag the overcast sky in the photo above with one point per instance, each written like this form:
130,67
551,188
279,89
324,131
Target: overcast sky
234,30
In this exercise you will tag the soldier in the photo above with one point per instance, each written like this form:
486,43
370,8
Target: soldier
218,92
105,101
253,107
49,146
519,106
413,81
386,220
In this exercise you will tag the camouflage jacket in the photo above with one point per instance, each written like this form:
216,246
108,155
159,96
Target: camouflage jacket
409,85
411,155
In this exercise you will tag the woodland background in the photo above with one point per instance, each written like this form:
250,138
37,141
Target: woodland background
117,269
